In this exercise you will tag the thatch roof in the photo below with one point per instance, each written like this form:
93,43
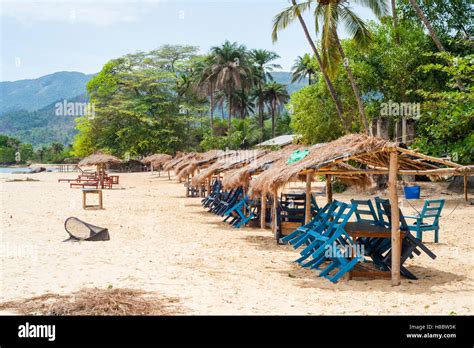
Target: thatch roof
371,152
229,161
191,166
240,176
157,158
178,159
99,158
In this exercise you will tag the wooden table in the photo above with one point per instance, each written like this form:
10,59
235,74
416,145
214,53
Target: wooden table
84,198
367,230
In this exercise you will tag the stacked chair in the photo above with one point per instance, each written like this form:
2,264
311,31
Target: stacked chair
241,213
379,249
325,242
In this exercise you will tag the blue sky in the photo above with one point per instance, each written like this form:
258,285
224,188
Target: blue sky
39,37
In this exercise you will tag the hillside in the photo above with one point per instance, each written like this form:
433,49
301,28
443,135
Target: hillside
31,95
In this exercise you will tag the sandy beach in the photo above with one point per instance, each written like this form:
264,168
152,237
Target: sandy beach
163,242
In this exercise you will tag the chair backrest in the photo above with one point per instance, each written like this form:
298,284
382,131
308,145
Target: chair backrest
388,212
432,209
382,216
337,216
364,211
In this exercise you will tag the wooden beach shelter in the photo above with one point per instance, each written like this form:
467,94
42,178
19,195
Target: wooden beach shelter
367,156
101,160
242,176
229,161
177,161
156,161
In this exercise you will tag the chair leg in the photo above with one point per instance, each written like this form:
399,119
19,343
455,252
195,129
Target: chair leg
419,235
436,236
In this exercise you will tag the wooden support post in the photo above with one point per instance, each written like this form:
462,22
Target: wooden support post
307,213
328,188
209,186
263,211
393,195
465,187
188,182
274,214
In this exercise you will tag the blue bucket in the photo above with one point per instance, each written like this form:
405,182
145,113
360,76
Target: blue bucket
412,192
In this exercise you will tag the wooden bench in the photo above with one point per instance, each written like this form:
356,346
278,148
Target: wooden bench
84,198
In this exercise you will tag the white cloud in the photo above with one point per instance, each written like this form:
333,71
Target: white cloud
99,13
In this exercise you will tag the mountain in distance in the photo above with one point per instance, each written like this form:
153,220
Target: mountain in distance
285,77
43,126
34,94
27,107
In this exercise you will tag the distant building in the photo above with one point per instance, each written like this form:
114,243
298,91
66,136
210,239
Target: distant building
281,141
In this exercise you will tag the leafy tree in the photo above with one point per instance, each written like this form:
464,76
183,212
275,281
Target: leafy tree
447,122
312,115
140,104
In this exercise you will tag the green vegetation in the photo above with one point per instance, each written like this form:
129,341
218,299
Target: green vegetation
166,101
12,151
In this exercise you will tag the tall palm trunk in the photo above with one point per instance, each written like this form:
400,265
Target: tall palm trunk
309,79
427,24
273,118
355,88
395,22
229,117
433,35
212,108
323,71
260,111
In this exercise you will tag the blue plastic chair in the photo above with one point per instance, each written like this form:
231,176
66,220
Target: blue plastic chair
428,219
237,215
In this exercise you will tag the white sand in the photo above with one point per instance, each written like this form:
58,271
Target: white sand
161,241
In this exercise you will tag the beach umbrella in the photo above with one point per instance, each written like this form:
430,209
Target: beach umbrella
100,160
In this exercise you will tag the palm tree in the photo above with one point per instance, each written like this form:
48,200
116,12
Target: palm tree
285,18
57,147
261,60
303,67
207,80
427,24
41,152
231,71
276,95
432,33
332,14
243,103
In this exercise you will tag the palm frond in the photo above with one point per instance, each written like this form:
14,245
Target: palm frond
355,27
378,7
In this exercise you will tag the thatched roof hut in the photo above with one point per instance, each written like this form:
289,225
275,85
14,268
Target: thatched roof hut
198,162
371,153
98,159
157,160
178,159
230,161
241,176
